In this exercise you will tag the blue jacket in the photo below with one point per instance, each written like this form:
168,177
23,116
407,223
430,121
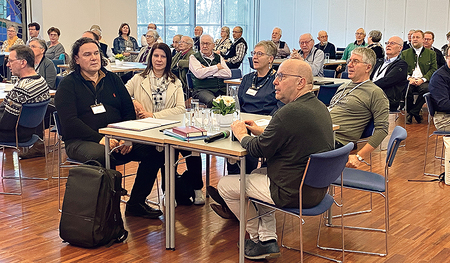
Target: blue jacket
119,44
439,88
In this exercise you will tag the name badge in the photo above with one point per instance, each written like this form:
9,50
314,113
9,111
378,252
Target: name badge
251,92
98,108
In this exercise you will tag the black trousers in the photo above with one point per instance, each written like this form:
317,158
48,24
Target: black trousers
411,107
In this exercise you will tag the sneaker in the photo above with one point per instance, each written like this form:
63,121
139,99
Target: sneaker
163,201
199,199
142,210
37,150
262,249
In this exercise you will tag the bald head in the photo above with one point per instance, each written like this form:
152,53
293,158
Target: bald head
294,80
322,36
394,47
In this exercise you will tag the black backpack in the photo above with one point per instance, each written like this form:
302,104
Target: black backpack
91,208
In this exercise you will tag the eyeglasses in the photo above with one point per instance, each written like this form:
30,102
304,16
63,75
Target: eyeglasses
359,33
427,39
355,62
9,30
280,76
205,44
12,60
182,42
305,42
392,43
257,54
147,36
236,31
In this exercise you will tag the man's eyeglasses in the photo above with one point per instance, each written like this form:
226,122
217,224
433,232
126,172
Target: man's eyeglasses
257,54
359,33
182,42
205,44
280,76
305,42
355,62
148,36
12,60
392,43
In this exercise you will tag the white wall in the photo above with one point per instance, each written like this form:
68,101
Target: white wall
341,18
74,17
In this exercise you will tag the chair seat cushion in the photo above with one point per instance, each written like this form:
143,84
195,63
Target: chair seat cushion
319,209
30,142
358,179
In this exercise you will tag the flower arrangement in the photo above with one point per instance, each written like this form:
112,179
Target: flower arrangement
224,105
119,57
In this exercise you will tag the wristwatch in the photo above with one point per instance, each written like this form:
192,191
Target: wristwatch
359,158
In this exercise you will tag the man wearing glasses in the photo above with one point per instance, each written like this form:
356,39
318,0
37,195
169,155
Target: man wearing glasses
209,70
310,54
180,62
238,49
390,73
287,145
360,35
355,104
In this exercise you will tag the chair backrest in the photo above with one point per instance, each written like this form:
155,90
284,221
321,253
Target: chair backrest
398,135
58,80
250,62
340,49
326,92
368,131
329,73
344,75
324,168
57,123
236,73
57,62
2,59
32,114
189,81
429,102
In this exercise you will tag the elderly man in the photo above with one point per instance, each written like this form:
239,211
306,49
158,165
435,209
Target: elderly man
310,54
324,45
421,65
198,32
209,70
390,73
360,35
428,40
355,104
287,146
283,50
33,31
180,62
175,43
31,88
238,49
90,98
440,94
407,44
150,26
103,46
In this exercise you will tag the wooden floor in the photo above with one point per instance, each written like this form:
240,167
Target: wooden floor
419,216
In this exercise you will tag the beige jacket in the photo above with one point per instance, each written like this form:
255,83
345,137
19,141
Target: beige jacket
139,89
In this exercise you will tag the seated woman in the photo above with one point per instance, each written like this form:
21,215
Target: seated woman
374,43
224,43
158,93
125,43
12,39
55,49
42,64
151,38
256,95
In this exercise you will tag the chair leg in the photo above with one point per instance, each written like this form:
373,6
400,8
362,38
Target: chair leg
4,177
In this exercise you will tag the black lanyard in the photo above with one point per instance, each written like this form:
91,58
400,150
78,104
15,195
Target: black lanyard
265,78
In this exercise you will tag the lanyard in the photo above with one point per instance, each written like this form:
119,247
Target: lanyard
342,95
266,78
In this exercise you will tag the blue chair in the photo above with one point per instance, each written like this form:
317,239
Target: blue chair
344,75
58,80
329,73
322,170
326,92
190,85
236,73
431,112
31,115
250,62
373,183
57,62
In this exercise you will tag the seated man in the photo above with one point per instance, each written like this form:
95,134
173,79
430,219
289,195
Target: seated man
198,32
310,54
360,35
324,45
421,65
287,146
428,40
209,70
237,51
107,51
355,104
31,88
440,95
390,74
283,50
90,98
180,62
175,44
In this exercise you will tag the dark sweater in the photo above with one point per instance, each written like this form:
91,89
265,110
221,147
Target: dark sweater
297,130
74,99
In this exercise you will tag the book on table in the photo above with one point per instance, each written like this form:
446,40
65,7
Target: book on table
189,131
141,124
170,132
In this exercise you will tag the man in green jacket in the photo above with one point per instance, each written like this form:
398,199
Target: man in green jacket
180,62
421,65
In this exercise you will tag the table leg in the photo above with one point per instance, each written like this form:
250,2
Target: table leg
207,175
242,210
167,215
107,160
170,194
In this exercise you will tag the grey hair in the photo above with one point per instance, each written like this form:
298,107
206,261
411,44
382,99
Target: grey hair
281,32
190,40
206,35
227,29
367,54
376,35
154,33
13,26
40,41
269,47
